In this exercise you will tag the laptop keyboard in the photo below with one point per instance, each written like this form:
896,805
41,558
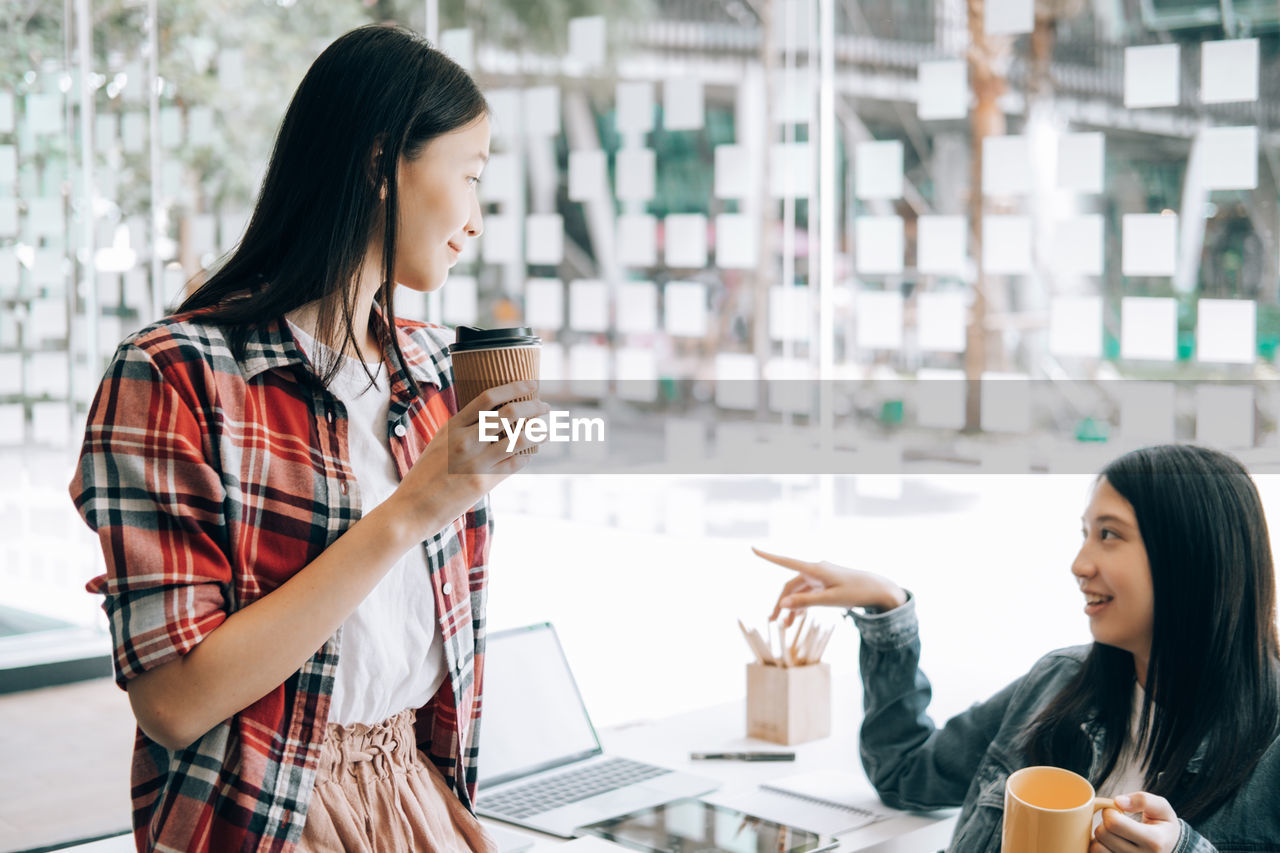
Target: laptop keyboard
569,787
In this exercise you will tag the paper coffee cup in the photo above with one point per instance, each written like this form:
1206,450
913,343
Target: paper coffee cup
487,358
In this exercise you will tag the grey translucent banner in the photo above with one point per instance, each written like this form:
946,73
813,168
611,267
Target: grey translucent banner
801,427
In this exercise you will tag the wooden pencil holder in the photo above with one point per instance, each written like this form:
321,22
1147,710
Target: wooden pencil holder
788,704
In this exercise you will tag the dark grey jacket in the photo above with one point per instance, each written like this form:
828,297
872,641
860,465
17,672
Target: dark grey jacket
916,766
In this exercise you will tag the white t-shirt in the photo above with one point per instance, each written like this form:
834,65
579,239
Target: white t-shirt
392,652
1129,774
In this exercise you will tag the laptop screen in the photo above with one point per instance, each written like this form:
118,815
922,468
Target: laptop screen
533,717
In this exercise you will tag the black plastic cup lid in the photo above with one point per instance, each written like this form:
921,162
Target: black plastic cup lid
471,338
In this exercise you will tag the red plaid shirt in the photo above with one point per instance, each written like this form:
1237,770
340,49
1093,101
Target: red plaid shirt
210,481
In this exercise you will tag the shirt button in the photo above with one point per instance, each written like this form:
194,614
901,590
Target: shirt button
344,487
447,589
328,413
400,430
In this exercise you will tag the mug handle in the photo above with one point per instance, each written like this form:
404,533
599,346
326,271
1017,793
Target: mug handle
1103,803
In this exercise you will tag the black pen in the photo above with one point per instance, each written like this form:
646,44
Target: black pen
742,756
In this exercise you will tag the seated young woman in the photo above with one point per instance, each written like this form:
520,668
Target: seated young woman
1173,710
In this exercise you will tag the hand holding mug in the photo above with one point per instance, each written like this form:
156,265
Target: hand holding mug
1157,831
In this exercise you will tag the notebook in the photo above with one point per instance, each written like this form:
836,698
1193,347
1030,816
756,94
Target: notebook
828,802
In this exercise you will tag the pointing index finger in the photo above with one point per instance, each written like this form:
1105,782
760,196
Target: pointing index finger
786,562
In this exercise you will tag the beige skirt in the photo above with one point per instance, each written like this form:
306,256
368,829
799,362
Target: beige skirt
375,791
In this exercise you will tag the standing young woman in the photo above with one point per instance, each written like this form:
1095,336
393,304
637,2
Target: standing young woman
293,513
1175,707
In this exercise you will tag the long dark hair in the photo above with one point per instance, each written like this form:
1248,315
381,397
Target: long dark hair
374,96
1213,673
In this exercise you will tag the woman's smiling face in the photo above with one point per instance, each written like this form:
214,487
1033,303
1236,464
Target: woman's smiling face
1115,575
439,210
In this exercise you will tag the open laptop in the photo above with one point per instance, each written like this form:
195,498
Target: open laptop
541,765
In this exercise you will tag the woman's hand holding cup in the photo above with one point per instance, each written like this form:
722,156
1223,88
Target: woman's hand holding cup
824,584
457,469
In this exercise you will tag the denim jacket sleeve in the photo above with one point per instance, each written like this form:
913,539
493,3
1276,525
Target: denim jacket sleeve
1190,841
912,763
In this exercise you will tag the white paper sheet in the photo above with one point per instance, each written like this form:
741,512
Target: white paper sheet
44,217
940,321
736,388
1151,75
501,241
11,374
1229,71
47,374
8,217
1006,166
1080,162
1147,412
637,307
13,424
6,112
944,90
499,181
506,106
1009,17
878,169
230,71
682,104
544,303
1230,157
635,106
878,244
106,130
1226,330
793,96
587,39
8,165
589,366
1078,245
637,240
460,300
790,166
1006,404
47,320
49,269
1149,244
1148,328
544,239
685,309
8,271
1224,416
734,177
133,133
636,371
459,45
942,244
736,244
939,397
588,306
588,175
44,114
1075,326
790,313
200,128
635,173
685,236
540,111
171,130
1006,245
878,320
51,424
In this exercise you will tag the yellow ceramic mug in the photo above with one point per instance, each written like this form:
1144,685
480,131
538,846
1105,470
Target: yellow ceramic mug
1049,810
